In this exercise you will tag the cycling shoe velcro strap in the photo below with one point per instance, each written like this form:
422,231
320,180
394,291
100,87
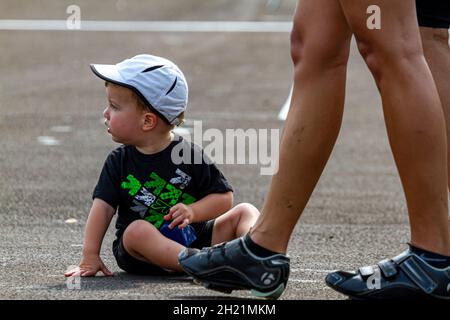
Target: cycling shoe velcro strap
388,267
415,272
366,271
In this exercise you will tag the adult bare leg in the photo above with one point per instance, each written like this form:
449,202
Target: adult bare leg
320,54
436,48
413,114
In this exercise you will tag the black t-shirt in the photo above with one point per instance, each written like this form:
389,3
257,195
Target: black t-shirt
142,186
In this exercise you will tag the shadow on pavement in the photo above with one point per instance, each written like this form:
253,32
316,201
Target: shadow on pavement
120,281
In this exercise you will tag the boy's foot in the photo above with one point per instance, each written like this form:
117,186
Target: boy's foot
231,266
407,276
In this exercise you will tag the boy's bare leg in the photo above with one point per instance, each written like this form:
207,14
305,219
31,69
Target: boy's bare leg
320,54
437,52
144,242
413,114
235,223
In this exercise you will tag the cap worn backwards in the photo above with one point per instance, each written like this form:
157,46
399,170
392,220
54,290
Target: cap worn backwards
157,81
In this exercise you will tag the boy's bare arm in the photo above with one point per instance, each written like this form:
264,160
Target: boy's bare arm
207,208
98,221
212,206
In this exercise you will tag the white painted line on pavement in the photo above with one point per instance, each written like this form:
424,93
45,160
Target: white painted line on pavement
48,141
285,108
181,131
150,26
316,270
305,281
193,286
448,37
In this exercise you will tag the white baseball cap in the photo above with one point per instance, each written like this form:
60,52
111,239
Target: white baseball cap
157,81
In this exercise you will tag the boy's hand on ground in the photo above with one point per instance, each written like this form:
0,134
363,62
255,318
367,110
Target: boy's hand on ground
181,214
89,266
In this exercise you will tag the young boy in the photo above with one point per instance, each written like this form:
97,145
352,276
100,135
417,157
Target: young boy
147,97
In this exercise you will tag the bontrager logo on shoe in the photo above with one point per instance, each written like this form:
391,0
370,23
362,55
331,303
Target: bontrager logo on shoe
267,278
374,281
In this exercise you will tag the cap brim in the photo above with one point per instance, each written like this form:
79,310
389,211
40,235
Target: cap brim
108,72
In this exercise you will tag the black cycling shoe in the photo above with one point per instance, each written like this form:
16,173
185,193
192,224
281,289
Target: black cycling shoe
406,276
231,266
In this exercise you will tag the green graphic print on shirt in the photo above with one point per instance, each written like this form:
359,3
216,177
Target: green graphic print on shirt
153,199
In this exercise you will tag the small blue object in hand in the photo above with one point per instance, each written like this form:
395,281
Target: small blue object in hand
183,236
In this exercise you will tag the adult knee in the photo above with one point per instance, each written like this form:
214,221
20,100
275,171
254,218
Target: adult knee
385,58
314,51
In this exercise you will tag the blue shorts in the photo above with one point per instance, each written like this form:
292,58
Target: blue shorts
130,264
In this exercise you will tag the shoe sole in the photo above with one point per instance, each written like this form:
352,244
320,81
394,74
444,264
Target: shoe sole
366,297
271,295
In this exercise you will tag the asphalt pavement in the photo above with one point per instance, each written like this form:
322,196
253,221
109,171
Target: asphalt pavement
53,145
